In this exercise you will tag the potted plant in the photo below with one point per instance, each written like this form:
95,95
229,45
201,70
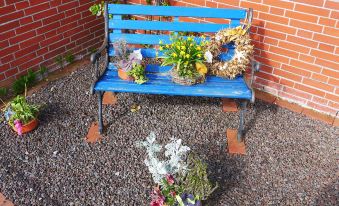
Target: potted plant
21,115
180,181
126,59
187,57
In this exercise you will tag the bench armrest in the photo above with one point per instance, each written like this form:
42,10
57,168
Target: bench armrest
95,56
255,66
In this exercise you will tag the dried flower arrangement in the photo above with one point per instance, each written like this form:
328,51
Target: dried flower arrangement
181,179
242,54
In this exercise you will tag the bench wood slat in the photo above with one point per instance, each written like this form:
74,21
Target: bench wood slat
169,26
140,38
151,53
176,11
155,68
160,70
159,84
162,78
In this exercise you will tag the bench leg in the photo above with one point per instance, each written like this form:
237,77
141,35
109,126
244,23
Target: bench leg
100,94
243,105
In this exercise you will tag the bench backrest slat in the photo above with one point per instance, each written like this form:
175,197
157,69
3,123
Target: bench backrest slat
140,38
168,26
123,9
153,53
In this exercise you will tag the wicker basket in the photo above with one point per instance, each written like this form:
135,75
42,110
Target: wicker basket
185,80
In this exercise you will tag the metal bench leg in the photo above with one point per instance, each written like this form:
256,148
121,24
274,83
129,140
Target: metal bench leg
100,94
243,105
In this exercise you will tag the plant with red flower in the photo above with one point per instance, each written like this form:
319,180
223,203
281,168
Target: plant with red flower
157,198
170,179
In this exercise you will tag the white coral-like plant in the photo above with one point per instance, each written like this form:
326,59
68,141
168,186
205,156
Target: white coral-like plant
174,151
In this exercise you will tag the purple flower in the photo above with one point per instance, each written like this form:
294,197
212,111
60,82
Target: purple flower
189,200
18,126
127,64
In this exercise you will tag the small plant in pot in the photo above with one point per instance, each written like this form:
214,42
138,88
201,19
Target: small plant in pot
126,59
181,179
187,57
21,115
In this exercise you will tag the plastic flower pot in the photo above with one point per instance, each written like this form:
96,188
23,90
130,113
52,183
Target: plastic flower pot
124,76
30,126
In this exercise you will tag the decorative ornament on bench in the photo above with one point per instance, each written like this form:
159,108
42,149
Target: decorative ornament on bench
242,54
21,115
187,57
129,62
181,179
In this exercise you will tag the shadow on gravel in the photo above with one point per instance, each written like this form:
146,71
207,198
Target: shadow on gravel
226,170
258,109
51,111
155,100
329,195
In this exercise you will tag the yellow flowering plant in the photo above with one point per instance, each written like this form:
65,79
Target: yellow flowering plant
185,54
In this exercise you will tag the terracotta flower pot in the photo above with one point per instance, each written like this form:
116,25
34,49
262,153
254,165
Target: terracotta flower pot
124,76
28,127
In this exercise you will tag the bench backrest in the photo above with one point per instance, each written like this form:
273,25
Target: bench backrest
116,25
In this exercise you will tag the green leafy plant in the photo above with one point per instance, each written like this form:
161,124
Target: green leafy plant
23,82
196,182
165,3
138,73
97,9
93,50
60,61
147,46
186,54
20,109
69,58
42,71
3,91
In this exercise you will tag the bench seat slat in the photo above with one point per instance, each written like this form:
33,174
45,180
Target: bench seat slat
162,84
160,70
122,9
169,26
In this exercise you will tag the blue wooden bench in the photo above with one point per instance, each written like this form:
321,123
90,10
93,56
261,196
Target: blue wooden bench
116,27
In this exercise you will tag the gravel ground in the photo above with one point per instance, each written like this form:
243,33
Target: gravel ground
291,159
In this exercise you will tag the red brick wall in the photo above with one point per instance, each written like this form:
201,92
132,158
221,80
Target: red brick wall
34,32
297,42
